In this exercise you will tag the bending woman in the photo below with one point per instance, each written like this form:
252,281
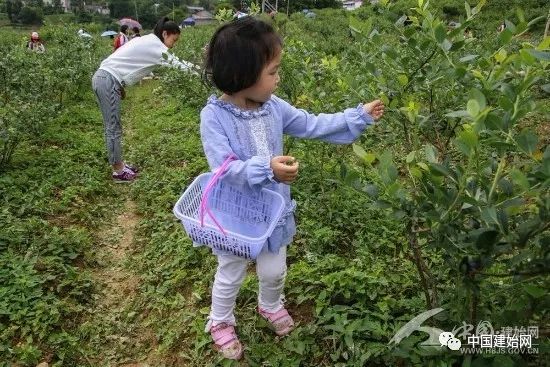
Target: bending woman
127,66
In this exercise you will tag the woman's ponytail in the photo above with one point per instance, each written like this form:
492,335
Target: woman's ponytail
165,24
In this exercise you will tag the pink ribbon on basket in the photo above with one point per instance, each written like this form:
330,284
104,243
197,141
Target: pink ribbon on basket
204,200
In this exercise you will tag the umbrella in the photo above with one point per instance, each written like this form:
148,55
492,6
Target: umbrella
131,23
109,33
189,21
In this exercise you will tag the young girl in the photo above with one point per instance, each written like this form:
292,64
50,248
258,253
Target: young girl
127,66
242,61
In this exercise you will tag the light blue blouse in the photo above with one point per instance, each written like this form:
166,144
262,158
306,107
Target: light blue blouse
255,136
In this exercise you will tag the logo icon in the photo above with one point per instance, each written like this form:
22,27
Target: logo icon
445,338
416,325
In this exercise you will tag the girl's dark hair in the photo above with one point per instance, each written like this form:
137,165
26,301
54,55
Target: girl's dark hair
165,24
124,28
238,52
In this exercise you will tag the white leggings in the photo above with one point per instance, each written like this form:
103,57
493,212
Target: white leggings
271,271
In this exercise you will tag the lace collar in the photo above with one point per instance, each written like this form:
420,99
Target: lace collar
237,111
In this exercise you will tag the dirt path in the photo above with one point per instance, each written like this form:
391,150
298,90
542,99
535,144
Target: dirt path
117,337
117,284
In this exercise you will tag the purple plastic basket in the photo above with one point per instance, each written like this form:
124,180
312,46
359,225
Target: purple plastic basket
240,219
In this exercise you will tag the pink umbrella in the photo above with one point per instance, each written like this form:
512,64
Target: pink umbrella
131,23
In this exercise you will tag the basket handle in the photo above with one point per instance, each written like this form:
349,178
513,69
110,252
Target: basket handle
204,200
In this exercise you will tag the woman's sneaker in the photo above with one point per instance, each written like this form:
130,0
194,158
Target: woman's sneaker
126,176
131,167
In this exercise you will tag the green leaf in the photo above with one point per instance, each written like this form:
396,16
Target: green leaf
534,291
371,190
431,153
468,58
457,45
544,44
466,141
501,55
505,36
446,45
541,55
536,20
460,72
506,103
459,113
423,165
489,215
382,204
440,33
468,9
486,239
505,186
503,220
393,189
509,25
415,172
355,25
439,169
387,170
392,173
479,97
478,7
473,107
359,151
527,141
353,178
527,57
468,138
370,158
520,14
519,179
546,87
402,79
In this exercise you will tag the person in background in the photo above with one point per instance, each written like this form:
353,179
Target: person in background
136,33
35,43
83,34
122,38
125,67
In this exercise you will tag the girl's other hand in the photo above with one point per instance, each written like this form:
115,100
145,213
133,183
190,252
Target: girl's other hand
285,168
375,109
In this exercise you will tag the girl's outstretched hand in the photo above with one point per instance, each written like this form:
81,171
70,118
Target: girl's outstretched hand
285,168
375,109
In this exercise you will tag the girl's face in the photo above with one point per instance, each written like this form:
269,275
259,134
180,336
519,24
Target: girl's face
170,39
267,83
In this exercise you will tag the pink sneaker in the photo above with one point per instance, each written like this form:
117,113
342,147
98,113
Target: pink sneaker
226,341
281,322
126,176
131,167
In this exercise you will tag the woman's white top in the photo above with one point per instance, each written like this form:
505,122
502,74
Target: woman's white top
135,60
